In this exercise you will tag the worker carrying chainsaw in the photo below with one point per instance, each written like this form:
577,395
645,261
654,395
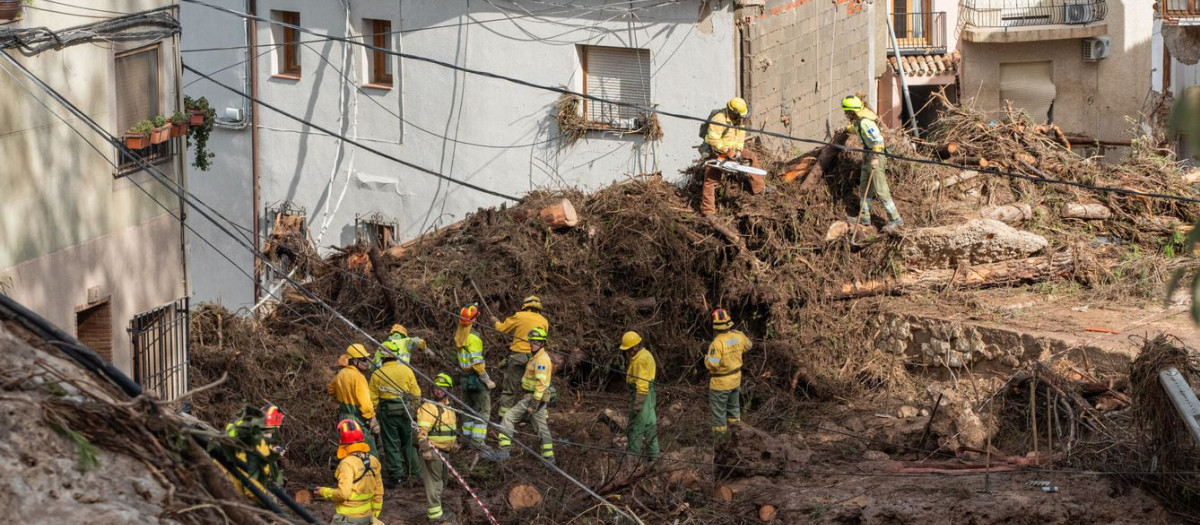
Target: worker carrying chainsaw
872,178
724,364
724,151
477,384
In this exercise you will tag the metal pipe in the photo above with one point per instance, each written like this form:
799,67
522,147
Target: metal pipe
252,43
903,79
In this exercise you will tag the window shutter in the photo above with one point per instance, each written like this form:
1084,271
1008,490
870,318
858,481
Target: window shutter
619,74
137,88
1029,86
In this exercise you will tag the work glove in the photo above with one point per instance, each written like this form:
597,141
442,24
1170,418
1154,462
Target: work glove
874,163
493,319
487,381
427,454
373,424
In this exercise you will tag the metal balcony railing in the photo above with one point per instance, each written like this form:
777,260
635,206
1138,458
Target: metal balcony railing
1017,13
1177,8
920,33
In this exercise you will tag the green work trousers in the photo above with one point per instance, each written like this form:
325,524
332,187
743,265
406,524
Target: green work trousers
434,472
339,519
480,401
511,389
353,412
396,432
642,432
541,424
725,407
872,183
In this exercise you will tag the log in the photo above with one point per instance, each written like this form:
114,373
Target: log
1008,214
560,215
1159,223
799,169
1015,271
1192,177
825,158
303,497
1075,210
766,513
839,229
947,182
970,161
381,275
685,478
948,150
524,497
723,493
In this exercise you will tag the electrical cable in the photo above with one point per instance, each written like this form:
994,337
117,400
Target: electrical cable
646,109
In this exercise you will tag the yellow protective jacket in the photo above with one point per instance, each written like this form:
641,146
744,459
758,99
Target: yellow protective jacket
537,374
436,425
721,138
359,490
641,371
867,130
392,381
350,387
519,326
724,360
470,349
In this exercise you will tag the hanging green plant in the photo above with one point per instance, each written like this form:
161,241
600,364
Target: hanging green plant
198,134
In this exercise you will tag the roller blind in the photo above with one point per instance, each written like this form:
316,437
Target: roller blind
620,74
136,87
1029,86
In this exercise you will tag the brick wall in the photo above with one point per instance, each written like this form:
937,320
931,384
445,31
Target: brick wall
786,63
94,329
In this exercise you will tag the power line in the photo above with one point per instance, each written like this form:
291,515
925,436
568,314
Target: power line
648,109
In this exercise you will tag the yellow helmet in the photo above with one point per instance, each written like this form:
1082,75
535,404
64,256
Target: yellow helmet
357,351
531,302
443,380
399,329
721,319
630,340
738,106
852,103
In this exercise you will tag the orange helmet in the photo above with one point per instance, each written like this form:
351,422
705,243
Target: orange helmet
349,431
273,416
468,314
721,319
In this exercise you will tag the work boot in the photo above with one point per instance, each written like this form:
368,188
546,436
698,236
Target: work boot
892,225
863,221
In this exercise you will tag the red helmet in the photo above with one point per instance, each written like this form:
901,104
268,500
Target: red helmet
721,319
273,416
468,314
349,431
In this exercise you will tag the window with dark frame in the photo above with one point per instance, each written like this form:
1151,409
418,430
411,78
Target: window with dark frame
137,84
617,74
288,39
380,35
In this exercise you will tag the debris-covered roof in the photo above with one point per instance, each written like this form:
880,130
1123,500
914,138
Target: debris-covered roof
927,65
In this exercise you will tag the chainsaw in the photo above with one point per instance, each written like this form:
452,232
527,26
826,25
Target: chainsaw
732,166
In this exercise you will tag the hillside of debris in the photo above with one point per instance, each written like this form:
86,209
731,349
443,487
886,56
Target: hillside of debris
808,288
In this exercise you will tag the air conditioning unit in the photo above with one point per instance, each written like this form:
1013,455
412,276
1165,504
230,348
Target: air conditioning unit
1095,48
1079,13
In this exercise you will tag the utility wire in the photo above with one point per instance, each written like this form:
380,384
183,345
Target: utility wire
648,110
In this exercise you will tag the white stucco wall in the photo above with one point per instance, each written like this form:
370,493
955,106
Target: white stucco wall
66,223
489,132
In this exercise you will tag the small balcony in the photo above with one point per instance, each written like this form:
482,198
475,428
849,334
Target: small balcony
919,33
1179,12
1003,21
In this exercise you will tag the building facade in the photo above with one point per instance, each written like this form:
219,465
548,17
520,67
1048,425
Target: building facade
1083,64
925,50
677,56
87,240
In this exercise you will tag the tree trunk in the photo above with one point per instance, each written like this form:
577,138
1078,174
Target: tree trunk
1031,269
1075,210
1008,214
825,159
947,182
560,215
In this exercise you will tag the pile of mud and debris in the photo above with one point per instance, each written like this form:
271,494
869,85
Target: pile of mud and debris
808,291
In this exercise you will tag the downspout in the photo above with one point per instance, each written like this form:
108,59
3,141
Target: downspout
181,163
903,80
252,43
872,82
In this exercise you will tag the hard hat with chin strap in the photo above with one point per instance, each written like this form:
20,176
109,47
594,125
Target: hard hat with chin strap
721,319
357,351
852,103
739,107
399,329
468,314
443,380
630,340
537,335
349,432
272,416
531,302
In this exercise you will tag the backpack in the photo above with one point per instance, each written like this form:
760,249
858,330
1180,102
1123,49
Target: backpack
704,126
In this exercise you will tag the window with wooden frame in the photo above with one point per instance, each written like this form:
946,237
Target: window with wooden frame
618,74
287,40
378,33
137,80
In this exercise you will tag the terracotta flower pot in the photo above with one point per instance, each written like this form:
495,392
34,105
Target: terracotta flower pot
137,141
160,135
196,117
179,129
9,9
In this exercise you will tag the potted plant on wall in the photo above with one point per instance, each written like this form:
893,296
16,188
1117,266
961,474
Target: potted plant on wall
161,132
138,136
179,124
197,134
10,9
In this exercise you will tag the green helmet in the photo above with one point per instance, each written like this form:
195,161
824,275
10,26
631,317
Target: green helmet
537,335
852,103
443,380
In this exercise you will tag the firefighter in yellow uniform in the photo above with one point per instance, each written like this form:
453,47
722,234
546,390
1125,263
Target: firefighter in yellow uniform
393,392
536,383
722,140
642,431
476,382
349,387
358,496
872,178
253,431
436,427
724,364
518,325
401,345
